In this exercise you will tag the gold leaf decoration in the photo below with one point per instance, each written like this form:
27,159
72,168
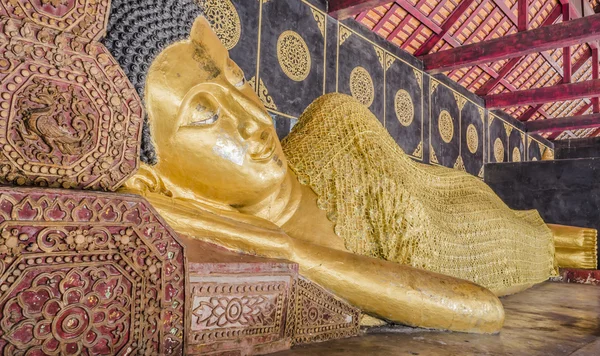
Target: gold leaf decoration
499,150
380,55
459,164
472,138
361,86
433,84
446,126
419,76
345,33
321,20
419,151
432,156
224,20
263,94
404,107
293,56
389,60
460,100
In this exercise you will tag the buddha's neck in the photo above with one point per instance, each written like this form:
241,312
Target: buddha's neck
279,207
276,208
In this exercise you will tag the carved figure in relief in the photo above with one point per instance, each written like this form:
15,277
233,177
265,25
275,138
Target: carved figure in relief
222,176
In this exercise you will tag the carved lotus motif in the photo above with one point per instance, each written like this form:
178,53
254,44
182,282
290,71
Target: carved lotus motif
88,274
85,308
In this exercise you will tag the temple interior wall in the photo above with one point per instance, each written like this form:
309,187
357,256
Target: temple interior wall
292,53
564,191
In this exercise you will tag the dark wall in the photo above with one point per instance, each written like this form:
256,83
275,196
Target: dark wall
563,191
292,53
578,148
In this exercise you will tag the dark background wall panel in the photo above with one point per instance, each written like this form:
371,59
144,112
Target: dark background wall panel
335,50
444,129
404,105
563,191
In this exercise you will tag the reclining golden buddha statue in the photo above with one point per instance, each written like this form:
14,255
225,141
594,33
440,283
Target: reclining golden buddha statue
405,242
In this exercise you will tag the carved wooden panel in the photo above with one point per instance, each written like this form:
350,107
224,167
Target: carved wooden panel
319,316
88,273
68,115
85,18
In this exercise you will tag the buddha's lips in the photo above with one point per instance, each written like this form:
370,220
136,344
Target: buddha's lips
266,151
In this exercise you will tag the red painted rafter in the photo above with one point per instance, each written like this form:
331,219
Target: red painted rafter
446,26
490,84
563,124
343,9
515,45
523,15
595,101
566,50
386,17
560,92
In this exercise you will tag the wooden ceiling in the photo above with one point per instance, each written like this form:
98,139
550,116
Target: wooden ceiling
422,27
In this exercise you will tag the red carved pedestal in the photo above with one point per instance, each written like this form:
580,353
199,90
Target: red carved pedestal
581,276
88,273
249,305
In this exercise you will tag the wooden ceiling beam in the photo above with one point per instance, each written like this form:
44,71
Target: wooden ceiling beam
595,101
560,92
491,84
523,15
566,50
446,26
515,45
386,17
343,9
563,124
416,13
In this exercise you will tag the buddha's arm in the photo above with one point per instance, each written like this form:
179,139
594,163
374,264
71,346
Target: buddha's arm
388,290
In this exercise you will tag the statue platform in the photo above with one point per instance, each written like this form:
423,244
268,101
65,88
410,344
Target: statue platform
551,319
102,274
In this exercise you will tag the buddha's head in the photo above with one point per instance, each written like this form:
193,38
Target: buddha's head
212,135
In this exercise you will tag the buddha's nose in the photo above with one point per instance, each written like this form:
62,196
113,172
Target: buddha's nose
254,118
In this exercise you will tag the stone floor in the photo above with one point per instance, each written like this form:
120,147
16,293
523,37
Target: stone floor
552,319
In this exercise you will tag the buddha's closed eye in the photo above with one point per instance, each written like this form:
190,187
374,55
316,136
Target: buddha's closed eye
204,116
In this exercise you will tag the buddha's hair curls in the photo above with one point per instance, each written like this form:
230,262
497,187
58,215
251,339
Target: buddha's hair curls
138,30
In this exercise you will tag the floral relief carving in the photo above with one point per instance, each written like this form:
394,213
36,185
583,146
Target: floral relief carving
88,273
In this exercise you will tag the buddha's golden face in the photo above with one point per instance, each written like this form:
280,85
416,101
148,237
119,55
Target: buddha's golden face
212,134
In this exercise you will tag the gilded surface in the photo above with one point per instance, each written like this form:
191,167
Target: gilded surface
499,150
83,18
225,21
69,116
403,105
361,86
446,126
576,247
472,138
294,56
516,155
88,273
221,176
398,210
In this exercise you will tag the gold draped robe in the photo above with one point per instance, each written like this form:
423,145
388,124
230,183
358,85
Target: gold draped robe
388,206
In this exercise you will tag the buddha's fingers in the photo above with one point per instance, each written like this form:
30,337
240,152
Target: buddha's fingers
400,293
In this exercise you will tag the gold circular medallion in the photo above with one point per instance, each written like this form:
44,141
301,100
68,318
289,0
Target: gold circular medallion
499,150
224,20
361,86
405,110
472,138
516,155
293,55
446,126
